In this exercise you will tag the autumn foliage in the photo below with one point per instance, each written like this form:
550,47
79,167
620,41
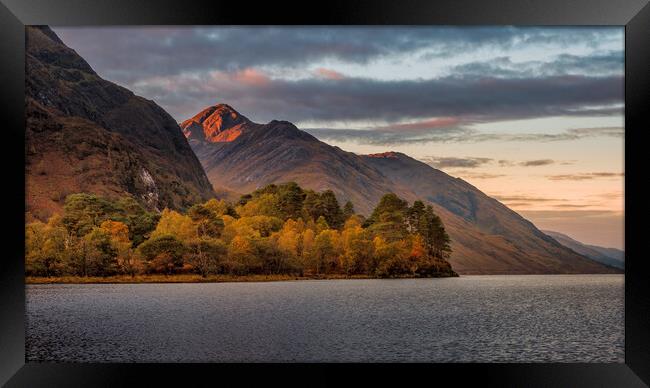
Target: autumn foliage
279,229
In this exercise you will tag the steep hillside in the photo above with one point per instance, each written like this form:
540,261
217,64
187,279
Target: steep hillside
85,134
487,237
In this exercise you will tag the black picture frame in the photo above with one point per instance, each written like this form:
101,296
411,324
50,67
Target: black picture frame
15,14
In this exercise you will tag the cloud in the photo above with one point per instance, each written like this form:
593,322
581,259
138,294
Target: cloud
458,135
595,64
360,99
535,163
570,134
571,215
477,175
527,201
519,204
452,162
421,126
386,138
610,195
527,198
571,206
185,69
585,176
137,52
329,74
251,77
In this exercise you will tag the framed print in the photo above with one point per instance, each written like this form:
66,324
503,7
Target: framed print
443,192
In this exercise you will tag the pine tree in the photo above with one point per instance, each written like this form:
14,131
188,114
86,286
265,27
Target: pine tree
348,210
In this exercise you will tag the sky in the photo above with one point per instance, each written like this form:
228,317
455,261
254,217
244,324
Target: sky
533,116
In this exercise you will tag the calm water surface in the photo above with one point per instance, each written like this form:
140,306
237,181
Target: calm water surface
556,318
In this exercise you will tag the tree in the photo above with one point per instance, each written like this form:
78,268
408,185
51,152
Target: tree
290,242
244,199
414,217
101,255
392,258
288,238
272,259
208,224
357,248
241,227
263,225
118,231
321,224
82,212
127,260
432,230
206,254
276,229
441,240
333,214
348,210
139,221
325,251
241,256
175,224
388,219
306,256
290,198
163,253
45,246
312,207
265,204
219,207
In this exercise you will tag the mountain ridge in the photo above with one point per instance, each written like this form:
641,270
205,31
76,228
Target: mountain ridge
487,237
609,256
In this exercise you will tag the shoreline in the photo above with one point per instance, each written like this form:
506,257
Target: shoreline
187,278
192,278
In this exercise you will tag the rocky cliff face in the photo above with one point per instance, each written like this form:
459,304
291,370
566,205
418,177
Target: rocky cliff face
487,237
85,134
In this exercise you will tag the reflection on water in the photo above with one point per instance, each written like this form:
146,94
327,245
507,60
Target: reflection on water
546,318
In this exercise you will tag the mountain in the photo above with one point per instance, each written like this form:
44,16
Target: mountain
85,134
614,253
608,256
240,155
248,155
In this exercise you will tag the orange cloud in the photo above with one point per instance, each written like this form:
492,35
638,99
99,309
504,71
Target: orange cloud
329,74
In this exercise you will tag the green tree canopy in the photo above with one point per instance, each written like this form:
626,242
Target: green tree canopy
388,219
163,253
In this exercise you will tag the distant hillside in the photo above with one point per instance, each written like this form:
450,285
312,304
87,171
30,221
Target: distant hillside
487,237
85,134
608,256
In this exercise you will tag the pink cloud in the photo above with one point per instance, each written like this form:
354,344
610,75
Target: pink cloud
328,74
251,77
